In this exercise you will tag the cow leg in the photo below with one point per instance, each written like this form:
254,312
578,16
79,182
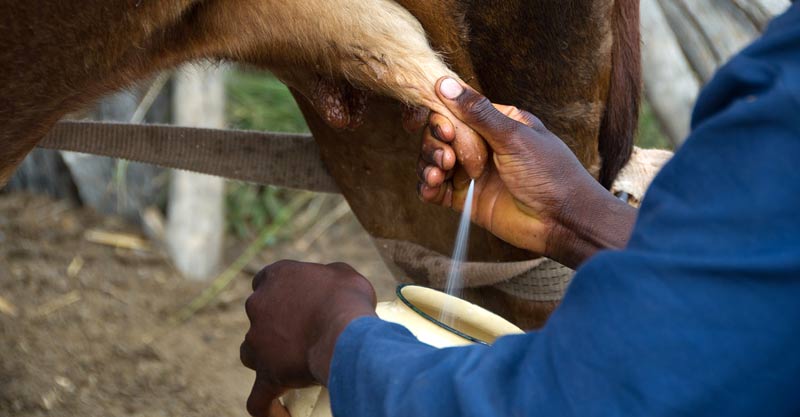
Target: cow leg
374,44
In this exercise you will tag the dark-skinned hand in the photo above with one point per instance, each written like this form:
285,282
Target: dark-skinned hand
534,193
297,312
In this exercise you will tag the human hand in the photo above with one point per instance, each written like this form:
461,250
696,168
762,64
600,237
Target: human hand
297,312
534,194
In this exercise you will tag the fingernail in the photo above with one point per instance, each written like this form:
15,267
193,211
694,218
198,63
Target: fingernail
435,132
440,133
425,173
450,88
438,156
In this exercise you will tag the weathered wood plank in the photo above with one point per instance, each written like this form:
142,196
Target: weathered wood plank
761,12
670,84
699,53
727,29
709,31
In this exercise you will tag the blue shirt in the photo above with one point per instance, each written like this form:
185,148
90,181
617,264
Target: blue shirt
699,315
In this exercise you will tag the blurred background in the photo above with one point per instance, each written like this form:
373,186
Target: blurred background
100,314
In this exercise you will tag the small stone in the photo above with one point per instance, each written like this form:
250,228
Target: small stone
49,400
65,383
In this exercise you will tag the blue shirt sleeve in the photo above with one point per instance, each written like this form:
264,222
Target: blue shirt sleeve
699,315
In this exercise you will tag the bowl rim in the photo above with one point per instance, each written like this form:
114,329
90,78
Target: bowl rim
409,304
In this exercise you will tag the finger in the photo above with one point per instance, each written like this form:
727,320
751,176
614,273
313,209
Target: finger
429,174
436,195
430,194
260,277
468,146
263,275
262,396
342,266
278,410
437,152
247,356
434,177
460,185
422,166
477,112
470,149
414,118
441,128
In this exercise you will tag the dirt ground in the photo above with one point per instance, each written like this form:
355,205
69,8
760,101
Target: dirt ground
85,328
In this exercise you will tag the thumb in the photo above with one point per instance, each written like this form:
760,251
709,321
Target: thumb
476,111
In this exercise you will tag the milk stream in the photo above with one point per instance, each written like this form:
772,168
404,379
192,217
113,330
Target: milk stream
454,279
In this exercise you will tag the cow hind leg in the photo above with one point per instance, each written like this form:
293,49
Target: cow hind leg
376,45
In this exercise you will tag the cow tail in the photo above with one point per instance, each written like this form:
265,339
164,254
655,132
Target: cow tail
621,116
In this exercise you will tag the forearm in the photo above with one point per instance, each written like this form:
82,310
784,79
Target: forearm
592,220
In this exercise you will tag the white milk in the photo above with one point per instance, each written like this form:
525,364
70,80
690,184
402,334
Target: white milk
454,280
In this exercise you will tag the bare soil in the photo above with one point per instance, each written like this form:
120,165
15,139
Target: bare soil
85,328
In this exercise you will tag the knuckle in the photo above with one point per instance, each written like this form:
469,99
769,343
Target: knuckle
249,307
476,105
284,263
260,277
525,117
341,266
538,126
425,157
246,356
421,165
252,405
531,120
362,285
427,139
272,270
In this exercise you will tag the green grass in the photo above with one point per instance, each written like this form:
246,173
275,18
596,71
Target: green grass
650,134
258,101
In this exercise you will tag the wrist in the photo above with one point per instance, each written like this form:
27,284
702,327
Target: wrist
320,352
591,219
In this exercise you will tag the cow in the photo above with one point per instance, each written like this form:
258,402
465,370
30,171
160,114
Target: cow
356,67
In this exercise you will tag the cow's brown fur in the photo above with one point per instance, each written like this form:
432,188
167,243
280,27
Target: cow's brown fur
574,63
61,55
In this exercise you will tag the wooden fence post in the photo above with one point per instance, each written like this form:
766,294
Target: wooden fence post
195,225
685,41
669,82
